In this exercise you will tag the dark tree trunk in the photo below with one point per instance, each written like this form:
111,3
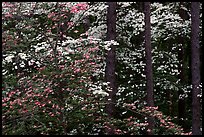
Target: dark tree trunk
86,23
195,68
148,54
111,61
170,102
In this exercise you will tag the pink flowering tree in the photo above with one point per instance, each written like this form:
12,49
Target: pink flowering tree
48,86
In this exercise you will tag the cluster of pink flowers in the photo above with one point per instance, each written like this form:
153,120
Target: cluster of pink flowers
165,121
8,15
118,132
51,14
10,9
7,4
41,68
78,7
36,93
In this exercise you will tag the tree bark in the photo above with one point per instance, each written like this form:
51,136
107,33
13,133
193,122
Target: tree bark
148,55
195,68
111,61
86,23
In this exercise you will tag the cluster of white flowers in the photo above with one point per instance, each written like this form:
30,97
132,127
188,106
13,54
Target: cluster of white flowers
101,92
109,43
98,31
164,19
125,4
97,89
9,58
97,9
4,72
23,56
69,41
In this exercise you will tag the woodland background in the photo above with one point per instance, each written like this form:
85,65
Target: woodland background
94,68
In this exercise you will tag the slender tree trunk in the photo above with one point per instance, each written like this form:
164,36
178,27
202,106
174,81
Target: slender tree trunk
86,23
195,68
170,102
111,61
148,54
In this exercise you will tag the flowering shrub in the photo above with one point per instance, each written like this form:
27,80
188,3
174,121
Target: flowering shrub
44,101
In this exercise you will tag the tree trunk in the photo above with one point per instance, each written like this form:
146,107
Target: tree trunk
148,54
170,102
86,23
111,61
195,68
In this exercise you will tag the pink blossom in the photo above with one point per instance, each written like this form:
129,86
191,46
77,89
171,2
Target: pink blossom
47,89
28,27
162,121
118,131
62,15
129,118
42,68
77,70
11,103
25,111
87,56
74,9
37,103
78,7
82,6
70,24
51,15
130,123
58,113
9,15
61,66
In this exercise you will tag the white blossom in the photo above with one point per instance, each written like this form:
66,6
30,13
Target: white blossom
100,92
22,55
9,58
